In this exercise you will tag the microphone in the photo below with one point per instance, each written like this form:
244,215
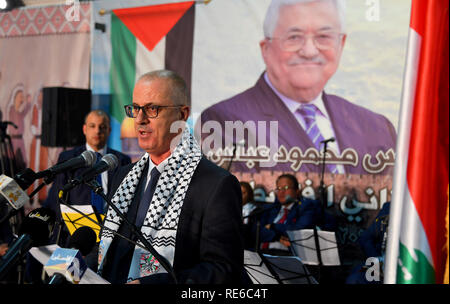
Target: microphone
12,192
86,159
83,239
35,231
108,162
241,143
68,265
25,178
332,139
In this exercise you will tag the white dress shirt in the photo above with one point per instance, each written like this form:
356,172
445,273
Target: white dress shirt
159,167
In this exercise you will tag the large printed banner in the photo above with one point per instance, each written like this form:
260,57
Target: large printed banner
39,47
246,90
245,111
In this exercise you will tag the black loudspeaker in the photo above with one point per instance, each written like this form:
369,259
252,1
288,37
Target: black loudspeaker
63,113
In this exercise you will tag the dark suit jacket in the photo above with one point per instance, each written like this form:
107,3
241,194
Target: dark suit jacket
209,244
80,195
354,126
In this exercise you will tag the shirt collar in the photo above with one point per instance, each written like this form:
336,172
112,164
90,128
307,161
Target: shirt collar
159,167
101,151
293,105
289,207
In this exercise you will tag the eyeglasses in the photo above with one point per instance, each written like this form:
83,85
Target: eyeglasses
284,188
293,42
150,110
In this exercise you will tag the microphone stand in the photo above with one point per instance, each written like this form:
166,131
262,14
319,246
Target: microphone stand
257,214
232,157
322,183
86,216
134,230
322,210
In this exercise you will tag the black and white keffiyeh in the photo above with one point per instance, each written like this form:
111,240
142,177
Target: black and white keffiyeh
161,221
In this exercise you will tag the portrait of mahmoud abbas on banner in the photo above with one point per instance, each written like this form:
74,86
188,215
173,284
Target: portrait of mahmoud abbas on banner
281,122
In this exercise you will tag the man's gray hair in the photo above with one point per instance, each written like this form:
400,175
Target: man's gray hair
271,19
179,93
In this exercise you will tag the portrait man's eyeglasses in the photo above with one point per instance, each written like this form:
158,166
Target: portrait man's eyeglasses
293,42
150,110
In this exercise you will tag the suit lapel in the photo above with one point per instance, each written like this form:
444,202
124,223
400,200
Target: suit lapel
337,118
347,134
290,132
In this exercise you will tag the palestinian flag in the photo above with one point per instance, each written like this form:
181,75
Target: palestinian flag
417,248
144,39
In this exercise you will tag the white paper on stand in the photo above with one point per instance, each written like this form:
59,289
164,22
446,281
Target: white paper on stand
304,245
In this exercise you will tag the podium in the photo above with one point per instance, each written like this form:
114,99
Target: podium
43,253
268,269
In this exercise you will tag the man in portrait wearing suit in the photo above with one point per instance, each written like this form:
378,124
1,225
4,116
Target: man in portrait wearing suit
303,44
96,130
186,207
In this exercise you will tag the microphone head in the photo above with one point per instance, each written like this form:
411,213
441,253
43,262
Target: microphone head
331,139
241,143
111,160
39,225
25,178
90,157
83,239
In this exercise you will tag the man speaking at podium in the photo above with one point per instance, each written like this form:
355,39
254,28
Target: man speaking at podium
187,208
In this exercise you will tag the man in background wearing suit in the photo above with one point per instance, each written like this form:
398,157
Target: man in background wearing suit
288,213
188,208
303,43
96,130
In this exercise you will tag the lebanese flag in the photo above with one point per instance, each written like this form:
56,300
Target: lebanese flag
145,39
417,248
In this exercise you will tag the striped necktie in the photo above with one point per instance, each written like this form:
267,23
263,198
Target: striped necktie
285,215
308,112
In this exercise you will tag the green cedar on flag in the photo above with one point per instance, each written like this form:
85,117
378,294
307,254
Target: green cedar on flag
144,39
417,247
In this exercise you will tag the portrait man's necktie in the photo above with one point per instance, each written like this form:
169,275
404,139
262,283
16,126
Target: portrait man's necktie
308,112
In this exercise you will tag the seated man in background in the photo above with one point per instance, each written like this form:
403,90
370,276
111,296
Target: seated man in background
373,242
288,213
